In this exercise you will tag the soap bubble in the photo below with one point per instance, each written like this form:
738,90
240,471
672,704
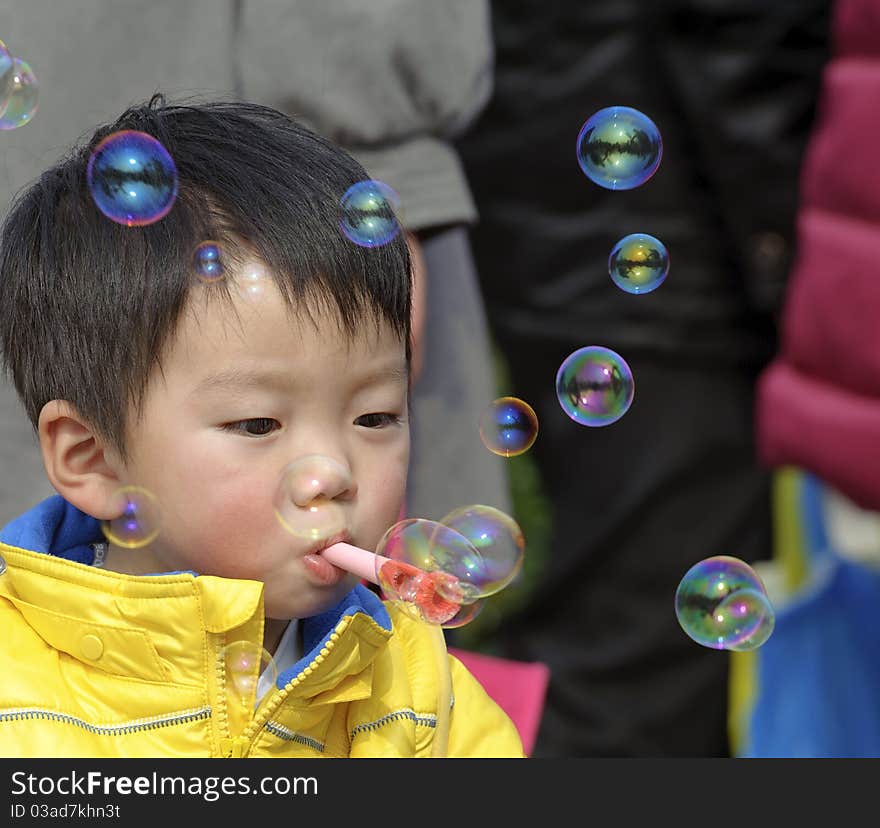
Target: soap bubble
594,386
369,213
244,663
619,148
508,427
132,178
304,498
466,614
21,95
757,608
430,568
139,518
497,538
638,263
721,603
754,618
7,70
208,262
254,283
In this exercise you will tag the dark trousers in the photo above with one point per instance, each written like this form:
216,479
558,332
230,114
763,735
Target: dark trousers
634,505
732,87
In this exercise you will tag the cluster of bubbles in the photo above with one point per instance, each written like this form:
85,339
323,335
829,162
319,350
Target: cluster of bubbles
618,148
18,90
133,181
440,571
722,603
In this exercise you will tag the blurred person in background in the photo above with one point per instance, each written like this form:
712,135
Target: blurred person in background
813,689
393,81
732,87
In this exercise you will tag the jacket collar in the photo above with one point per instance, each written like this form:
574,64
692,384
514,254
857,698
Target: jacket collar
51,543
56,527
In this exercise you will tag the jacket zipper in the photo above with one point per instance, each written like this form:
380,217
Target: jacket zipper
138,725
239,746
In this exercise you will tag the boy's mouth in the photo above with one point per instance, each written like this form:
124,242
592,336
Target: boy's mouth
316,565
339,537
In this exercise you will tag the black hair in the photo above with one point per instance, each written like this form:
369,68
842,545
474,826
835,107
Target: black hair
88,304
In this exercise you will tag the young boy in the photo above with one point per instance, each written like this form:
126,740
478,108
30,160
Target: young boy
137,374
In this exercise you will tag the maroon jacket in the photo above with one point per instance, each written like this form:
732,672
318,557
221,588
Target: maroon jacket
818,402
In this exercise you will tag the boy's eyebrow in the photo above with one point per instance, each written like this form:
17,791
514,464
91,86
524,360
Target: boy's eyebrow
249,378
390,373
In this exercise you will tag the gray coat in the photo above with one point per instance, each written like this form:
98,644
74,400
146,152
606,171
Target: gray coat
393,81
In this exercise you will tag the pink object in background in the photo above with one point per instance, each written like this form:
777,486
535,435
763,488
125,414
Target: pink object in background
518,687
817,404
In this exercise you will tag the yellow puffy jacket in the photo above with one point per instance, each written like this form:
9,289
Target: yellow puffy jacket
99,664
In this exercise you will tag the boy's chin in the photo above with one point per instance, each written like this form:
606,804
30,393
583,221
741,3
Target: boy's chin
311,602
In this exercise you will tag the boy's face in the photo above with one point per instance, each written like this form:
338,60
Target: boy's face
213,453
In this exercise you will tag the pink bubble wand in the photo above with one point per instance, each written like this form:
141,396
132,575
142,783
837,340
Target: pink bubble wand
428,591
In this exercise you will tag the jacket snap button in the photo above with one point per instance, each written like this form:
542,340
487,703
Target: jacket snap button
91,647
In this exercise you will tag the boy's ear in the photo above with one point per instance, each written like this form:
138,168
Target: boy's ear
79,466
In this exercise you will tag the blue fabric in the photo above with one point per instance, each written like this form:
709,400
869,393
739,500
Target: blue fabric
318,628
55,527
818,675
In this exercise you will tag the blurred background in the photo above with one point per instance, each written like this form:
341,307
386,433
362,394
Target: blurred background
751,432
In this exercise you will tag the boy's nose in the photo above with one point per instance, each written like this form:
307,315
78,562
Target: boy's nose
316,476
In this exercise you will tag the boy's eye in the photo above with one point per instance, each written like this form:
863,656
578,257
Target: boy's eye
254,427
378,420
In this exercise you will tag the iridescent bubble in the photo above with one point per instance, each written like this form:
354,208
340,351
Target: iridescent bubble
244,662
594,386
497,538
721,603
752,610
21,100
369,213
508,427
305,502
132,178
430,568
619,148
466,614
208,261
7,70
139,518
638,263
254,282
763,610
